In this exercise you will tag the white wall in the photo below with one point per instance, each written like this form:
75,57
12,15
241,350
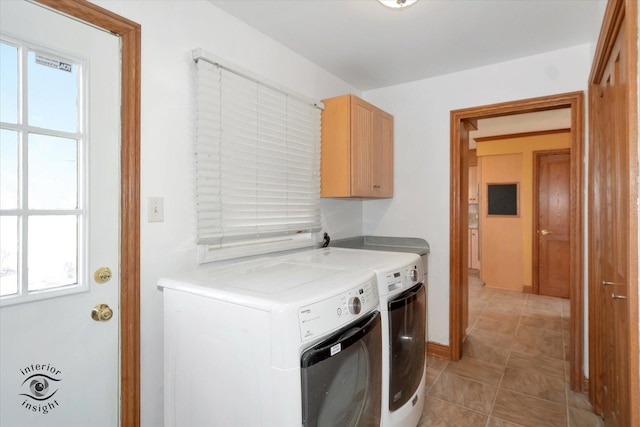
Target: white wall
420,206
170,30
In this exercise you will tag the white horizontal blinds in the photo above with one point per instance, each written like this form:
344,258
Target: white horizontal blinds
258,160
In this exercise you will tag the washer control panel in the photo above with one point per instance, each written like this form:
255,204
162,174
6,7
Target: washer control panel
401,278
334,312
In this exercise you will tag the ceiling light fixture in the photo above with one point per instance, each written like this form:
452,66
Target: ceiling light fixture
397,4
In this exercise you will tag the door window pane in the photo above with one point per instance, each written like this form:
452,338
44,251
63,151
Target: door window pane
53,172
40,172
53,93
8,83
8,255
52,251
8,169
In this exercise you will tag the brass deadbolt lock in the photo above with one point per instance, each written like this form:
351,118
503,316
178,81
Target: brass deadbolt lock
101,313
102,275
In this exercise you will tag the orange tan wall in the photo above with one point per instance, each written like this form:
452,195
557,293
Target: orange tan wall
506,242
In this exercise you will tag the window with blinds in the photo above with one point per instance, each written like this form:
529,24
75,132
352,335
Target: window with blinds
258,166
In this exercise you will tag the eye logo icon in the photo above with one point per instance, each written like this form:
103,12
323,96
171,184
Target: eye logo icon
39,385
39,388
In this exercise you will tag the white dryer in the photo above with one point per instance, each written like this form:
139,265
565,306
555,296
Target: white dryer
272,343
403,303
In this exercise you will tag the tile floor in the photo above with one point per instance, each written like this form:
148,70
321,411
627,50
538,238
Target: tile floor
514,369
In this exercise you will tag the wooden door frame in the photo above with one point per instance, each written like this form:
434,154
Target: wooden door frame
458,245
536,214
614,14
129,33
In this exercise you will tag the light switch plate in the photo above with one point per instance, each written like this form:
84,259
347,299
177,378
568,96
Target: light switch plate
155,209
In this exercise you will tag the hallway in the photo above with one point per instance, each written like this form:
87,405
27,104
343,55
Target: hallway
514,370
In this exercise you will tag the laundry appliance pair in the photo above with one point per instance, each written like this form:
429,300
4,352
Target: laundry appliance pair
326,337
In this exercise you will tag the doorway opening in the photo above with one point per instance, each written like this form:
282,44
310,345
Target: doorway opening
464,120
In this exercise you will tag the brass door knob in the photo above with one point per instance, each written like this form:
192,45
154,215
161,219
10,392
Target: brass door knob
545,232
101,313
102,275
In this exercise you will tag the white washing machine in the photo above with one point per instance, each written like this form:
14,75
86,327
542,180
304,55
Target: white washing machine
272,343
403,303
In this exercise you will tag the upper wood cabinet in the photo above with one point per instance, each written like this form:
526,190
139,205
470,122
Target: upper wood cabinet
357,149
473,184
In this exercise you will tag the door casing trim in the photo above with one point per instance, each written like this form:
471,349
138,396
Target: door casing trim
458,245
129,33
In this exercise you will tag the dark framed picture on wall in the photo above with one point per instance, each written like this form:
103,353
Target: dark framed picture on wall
503,199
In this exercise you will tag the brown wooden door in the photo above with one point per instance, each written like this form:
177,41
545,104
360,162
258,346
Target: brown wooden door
609,245
553,213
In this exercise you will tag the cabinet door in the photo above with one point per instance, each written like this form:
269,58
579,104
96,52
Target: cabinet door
469,249
371,151
362,148
475,250
473,184
383,154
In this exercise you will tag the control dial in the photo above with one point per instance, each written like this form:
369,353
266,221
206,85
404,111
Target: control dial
413,275
355,305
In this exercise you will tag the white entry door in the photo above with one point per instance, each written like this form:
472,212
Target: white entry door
59,220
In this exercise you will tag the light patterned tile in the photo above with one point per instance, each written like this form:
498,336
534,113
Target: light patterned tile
502,316
473,318
464,392
509,295
436,363
475,369
502,307
528,411
496,325
532,383
475,311
542,365
495,339
541,311
582,418
481,350
432,375
542,321
550,304
438,413
497,422
578,400
518,342
535,346
530,331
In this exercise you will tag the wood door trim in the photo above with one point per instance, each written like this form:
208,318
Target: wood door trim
129,33
535,288
459,206
439,350
611,26
521,135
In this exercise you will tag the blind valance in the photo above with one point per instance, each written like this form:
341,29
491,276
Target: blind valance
257,159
